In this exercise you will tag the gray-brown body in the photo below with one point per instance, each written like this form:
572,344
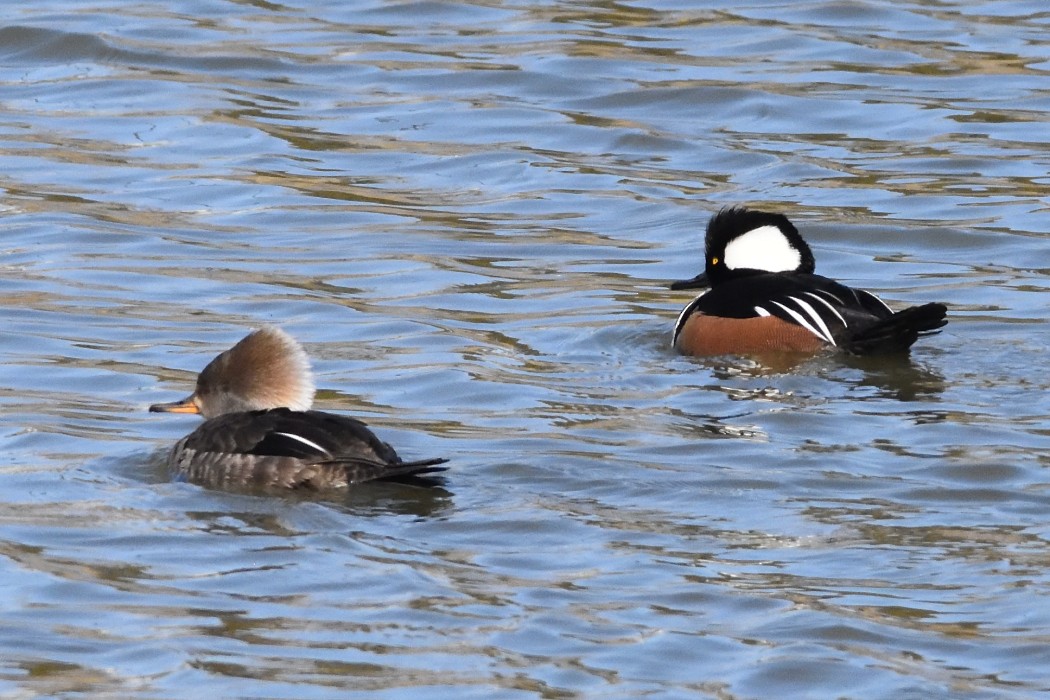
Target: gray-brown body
285,449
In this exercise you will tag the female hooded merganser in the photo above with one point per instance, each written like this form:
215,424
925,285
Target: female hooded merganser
259,430
764,298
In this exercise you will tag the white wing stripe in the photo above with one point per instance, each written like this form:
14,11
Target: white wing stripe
875,298
308,443
816,318
761,311
831,308
802,321
684,316
834,297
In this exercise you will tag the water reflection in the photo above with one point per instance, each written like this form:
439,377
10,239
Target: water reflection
899,378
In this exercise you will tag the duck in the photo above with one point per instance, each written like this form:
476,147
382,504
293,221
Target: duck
260,432
763,297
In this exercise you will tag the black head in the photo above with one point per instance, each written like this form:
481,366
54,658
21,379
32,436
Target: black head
740,239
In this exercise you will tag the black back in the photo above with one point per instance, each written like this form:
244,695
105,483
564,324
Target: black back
282,432
853,319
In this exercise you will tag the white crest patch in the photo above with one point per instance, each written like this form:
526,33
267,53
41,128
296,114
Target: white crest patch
763,248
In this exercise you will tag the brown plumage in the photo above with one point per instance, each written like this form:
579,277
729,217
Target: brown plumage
764,297
714,335
260,433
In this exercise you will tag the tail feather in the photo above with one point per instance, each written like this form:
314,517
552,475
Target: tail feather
409,471
898,332
353,470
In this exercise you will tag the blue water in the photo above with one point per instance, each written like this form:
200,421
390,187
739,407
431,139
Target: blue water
468,212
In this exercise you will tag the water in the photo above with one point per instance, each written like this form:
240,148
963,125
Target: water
468,213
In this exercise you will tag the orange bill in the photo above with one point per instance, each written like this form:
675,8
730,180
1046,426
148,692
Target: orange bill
187,405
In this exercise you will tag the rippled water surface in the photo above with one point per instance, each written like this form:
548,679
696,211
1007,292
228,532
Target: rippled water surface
468,213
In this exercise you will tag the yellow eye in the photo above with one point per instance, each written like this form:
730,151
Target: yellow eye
714,261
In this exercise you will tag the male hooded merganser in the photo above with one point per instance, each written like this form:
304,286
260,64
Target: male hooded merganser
764,298
259,430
